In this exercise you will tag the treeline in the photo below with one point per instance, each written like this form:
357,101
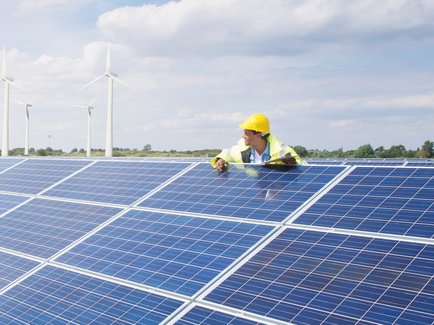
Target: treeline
365,151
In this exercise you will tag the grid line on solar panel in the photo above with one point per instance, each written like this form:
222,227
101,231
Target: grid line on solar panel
201,315
116,182
396,201
6,163
13,267
176,253
252,192
307,276
8,202
44,227
34,175
57,295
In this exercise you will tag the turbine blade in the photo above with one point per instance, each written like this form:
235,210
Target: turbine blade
108,60
4,63
119,80
18,101
94,99
90,83
13,83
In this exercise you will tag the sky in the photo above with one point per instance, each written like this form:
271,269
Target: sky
329,74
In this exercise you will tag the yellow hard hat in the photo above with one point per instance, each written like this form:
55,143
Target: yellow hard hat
256,122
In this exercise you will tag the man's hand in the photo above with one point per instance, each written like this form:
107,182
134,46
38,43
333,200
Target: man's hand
288,160
221,165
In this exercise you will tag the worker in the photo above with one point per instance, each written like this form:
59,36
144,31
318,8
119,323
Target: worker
256,146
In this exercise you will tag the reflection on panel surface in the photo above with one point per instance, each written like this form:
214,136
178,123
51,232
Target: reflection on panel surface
253,192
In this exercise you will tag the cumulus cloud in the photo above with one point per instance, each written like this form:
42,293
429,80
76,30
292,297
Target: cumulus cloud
271,27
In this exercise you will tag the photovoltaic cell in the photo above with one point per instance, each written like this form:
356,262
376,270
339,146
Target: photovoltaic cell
8,202
116,181
34,175
201,315
420,164
44,227
12,267
308,277
253,192
5,163
56,296
176,253
384,200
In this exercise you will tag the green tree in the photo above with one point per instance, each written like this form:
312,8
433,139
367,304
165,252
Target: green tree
426,150
41,152
397,151
302,152
147,147
365,151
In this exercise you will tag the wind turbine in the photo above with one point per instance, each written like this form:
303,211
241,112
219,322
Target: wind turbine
26,136
111,76
89,107
7,80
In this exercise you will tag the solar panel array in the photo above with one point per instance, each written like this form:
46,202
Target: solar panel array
175,242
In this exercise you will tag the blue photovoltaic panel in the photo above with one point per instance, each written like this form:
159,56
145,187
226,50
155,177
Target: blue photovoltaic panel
308,277
374,163
6,163
420,164
8,202
202,316
385,200
253,192
56,296
116,182
176,253
44,227
12,267
34,175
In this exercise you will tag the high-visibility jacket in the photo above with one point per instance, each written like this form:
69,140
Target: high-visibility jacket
240,153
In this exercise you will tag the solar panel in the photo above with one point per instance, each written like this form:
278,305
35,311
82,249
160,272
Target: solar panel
13,267
116,181
201,315
308,277
57,296
177,253
179,243
44,227
6,163
420,164
385,200
8,202
35,175
253,192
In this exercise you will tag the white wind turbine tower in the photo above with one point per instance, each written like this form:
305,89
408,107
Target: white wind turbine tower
27,105
111,76
7,80
89,108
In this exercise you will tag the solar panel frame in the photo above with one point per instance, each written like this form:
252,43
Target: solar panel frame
390,200
117,182
319,276
246,192
57,295
43,228
172,252
35,175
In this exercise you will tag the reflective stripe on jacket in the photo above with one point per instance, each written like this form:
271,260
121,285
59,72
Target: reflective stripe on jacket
240,153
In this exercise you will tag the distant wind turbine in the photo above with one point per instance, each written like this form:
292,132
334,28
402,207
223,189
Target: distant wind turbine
89,108
27,105
7,80
109,127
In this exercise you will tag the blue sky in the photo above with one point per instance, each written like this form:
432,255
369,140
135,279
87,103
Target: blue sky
329,74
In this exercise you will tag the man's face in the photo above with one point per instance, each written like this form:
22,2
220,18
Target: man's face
251,137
